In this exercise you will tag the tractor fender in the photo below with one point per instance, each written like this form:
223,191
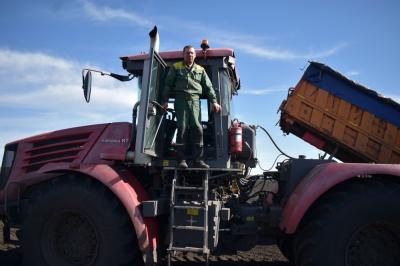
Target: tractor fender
321,179
125,186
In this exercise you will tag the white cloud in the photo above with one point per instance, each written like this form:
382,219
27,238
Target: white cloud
251,44
43,81
33,67
352,73
261,91
54,96
44,93
276,54
20,61
105,13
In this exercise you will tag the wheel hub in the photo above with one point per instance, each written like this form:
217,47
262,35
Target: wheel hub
71,239
375,244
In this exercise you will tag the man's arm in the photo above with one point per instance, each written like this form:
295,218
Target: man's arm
209,90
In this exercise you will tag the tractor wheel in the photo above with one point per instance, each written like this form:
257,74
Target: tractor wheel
358,224
77,221
285,245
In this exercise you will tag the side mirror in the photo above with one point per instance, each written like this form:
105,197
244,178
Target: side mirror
87,84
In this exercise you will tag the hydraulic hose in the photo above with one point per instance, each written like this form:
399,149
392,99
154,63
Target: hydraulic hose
273,142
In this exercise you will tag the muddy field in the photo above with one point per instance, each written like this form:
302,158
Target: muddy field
9,253
265,254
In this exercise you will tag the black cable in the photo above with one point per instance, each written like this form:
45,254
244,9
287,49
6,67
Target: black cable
273,142
276,159
251,152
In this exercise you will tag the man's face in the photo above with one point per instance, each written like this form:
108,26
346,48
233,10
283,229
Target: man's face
188,56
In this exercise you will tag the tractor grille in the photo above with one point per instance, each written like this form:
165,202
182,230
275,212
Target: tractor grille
52,150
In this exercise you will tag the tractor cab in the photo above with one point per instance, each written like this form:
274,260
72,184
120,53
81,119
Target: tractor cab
227,143
156,128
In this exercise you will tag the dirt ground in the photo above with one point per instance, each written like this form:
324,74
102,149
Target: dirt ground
266,254
260,255
9,253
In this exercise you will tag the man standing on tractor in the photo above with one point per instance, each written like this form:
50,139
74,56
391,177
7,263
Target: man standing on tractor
188,81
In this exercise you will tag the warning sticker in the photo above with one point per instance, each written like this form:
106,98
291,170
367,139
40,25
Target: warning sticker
192,211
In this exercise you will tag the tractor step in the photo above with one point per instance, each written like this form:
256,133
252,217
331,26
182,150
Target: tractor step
189,249
189,207
188,227
188,188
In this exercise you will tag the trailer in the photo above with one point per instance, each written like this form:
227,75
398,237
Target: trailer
342,117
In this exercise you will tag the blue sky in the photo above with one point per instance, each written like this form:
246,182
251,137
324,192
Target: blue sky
45,44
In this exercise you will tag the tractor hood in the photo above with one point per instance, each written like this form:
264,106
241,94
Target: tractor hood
101,144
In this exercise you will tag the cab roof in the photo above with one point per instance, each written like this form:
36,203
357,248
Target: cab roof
211,52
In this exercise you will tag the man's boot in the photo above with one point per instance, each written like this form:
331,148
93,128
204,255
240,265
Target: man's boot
197,154
182,164
180,156
200,164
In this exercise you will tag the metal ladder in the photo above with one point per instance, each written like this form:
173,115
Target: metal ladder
174,205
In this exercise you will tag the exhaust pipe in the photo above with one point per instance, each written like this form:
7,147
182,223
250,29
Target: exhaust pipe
154,40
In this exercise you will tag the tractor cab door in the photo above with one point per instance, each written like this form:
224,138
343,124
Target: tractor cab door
151,114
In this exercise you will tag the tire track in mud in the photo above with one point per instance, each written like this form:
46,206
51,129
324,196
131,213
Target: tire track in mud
261,255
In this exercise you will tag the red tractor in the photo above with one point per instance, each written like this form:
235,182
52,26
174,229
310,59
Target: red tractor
111,194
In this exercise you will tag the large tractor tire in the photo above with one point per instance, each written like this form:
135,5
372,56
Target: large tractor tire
285,245
77,221
357,224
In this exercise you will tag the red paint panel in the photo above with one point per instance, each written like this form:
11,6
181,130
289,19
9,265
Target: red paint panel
212,52
313,140
131,193
111,145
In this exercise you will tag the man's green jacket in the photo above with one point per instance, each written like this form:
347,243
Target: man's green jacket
188,83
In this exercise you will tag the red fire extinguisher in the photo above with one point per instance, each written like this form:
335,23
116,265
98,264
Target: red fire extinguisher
235,135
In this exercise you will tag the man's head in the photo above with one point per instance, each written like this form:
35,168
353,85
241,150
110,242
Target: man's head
189,54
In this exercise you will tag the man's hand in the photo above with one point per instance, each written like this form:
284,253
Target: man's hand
216,107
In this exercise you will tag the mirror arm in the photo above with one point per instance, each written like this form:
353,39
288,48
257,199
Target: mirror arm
120,77
116,76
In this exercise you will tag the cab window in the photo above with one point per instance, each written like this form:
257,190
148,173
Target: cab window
226,91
